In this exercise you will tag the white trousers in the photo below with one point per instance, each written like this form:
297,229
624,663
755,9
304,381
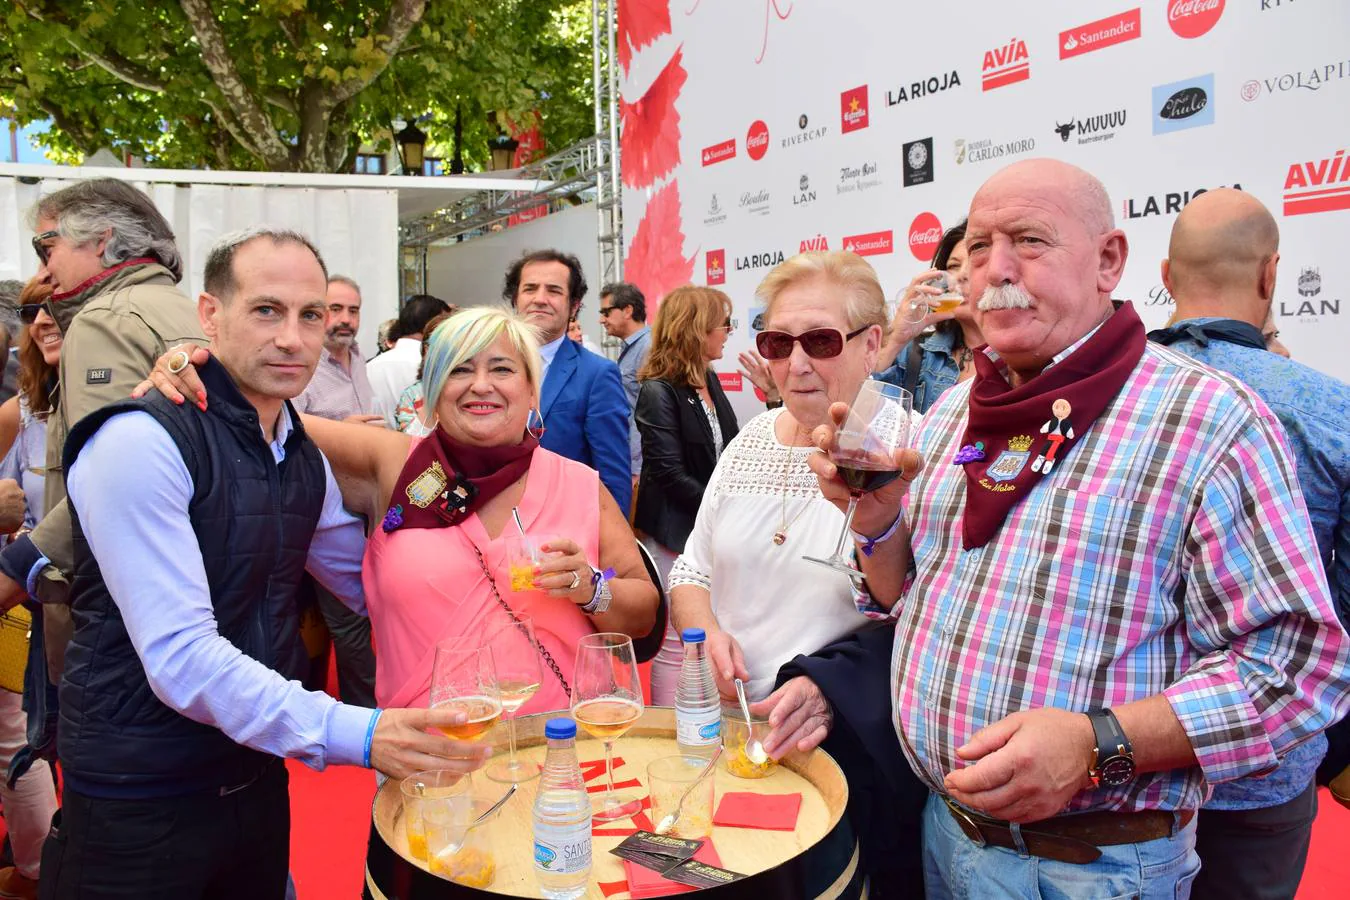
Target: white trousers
30,804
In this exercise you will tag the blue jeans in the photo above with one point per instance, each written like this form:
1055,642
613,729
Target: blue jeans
955,867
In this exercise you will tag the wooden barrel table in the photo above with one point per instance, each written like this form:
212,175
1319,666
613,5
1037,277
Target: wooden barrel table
819,859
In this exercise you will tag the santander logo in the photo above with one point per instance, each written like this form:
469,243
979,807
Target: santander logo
1099,34
719,152
873,243
925,233
717,267
757,140
1192,18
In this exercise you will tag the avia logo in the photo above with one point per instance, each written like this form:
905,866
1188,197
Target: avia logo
874,243
1183,104
1093,128
757,140
925,233
759,260
819,242
853,109
1316,187
1313,79
933,85
717,267
1164,204
1005,65
1193,18
804,193
719,152
1309,282
1100,34
918,162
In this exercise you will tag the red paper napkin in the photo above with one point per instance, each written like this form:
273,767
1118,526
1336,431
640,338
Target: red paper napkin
643,882
772,812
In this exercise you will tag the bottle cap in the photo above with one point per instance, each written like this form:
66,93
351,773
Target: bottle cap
560,729
693,635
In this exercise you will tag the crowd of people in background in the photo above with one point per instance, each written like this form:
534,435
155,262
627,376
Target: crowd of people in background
1100,636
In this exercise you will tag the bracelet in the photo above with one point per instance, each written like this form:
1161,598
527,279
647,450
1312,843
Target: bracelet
869,544
370,737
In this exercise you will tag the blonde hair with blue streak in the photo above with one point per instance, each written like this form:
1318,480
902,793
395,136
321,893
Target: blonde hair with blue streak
463,336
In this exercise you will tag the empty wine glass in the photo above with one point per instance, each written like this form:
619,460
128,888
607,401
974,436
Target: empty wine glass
606,702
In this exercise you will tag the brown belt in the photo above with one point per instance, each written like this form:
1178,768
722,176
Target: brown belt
1072,838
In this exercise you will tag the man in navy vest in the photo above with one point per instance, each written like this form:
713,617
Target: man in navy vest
191,533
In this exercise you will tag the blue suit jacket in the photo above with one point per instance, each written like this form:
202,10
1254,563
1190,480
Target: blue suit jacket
586,416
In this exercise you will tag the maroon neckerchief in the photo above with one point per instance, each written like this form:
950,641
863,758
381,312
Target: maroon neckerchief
1015,435
444,481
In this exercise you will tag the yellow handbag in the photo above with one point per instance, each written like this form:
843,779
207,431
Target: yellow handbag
16,627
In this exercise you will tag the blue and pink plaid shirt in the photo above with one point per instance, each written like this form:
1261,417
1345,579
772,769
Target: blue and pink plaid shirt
1170,552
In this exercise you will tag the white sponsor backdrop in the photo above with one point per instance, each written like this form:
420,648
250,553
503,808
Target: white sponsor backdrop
742,145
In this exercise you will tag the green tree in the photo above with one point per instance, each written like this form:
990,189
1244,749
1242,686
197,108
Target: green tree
289,85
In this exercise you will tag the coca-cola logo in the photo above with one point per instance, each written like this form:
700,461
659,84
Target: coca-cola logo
757,140
925,233
1193,18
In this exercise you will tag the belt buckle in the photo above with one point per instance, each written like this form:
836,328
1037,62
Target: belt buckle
963,816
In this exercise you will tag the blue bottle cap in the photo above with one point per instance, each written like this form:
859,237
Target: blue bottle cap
560,729
693,635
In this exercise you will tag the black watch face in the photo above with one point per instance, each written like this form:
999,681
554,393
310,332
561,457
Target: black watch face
1116,771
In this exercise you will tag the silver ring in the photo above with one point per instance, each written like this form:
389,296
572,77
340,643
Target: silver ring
178,362
576,580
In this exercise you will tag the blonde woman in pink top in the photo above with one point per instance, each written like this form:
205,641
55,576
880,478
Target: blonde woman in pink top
443,501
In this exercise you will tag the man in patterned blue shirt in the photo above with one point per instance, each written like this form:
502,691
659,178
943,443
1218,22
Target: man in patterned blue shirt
1253,834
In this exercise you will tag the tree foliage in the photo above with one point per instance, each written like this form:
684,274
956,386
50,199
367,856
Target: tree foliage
290,85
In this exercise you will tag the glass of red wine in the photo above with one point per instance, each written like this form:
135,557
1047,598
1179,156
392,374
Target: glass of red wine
864,450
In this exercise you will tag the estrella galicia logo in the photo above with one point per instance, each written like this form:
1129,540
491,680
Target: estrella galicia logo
1183,104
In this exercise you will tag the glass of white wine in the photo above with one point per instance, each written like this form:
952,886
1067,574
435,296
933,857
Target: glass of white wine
916,308
515,652
464,678
606,702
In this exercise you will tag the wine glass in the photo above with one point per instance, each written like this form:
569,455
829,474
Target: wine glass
606,702
864,451
917,308
464,678
515,651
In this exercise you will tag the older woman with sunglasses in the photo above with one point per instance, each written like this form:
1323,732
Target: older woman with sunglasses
741,576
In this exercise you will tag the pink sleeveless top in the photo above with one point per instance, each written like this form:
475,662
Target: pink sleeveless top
424,585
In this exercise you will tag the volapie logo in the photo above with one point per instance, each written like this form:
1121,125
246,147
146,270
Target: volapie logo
874,243
717,267
1093,129
1193,18
915,90
719,152
759,260
856,179
1183,104
1313,79
918,162
804,194
756,203
853,109
1005,65
805,133
1099,34
1168,204
985,150
819,242
757,140
1318,186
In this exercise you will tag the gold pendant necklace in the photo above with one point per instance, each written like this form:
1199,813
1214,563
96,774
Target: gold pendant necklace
781,535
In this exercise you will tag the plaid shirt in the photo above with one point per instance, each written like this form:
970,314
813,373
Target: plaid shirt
1169,552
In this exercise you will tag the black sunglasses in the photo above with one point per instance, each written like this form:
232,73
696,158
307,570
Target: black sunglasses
43,251
818,343
28,312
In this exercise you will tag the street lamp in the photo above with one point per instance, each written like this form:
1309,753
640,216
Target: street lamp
503,150
412,143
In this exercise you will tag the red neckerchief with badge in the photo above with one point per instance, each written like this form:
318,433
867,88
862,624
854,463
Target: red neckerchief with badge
444,480
1016,435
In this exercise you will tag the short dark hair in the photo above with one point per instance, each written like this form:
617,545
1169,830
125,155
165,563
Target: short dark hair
218,278
623,295
953,236
576,281
87,209
417,311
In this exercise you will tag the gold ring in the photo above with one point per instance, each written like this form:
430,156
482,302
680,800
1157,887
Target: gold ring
178,362
576,580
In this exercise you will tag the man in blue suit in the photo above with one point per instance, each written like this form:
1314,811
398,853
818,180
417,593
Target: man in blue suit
582,402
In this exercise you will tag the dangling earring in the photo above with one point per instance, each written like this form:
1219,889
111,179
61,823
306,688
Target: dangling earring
534,424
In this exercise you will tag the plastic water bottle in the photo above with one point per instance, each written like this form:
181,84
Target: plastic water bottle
562,817
698,709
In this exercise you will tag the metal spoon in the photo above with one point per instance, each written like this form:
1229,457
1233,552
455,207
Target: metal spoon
494,807
670,819
754,750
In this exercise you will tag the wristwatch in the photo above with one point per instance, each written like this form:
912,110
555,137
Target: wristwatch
601,598
1114,762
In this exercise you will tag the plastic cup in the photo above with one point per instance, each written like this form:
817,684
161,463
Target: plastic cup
667,780
442,791
522,556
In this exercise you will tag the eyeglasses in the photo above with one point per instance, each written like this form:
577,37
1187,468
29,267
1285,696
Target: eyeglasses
28,312
606,310
730,324
818,343
42,250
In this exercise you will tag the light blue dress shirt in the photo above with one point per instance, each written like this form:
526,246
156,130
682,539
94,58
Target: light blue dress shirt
135,518
546,353
634,354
